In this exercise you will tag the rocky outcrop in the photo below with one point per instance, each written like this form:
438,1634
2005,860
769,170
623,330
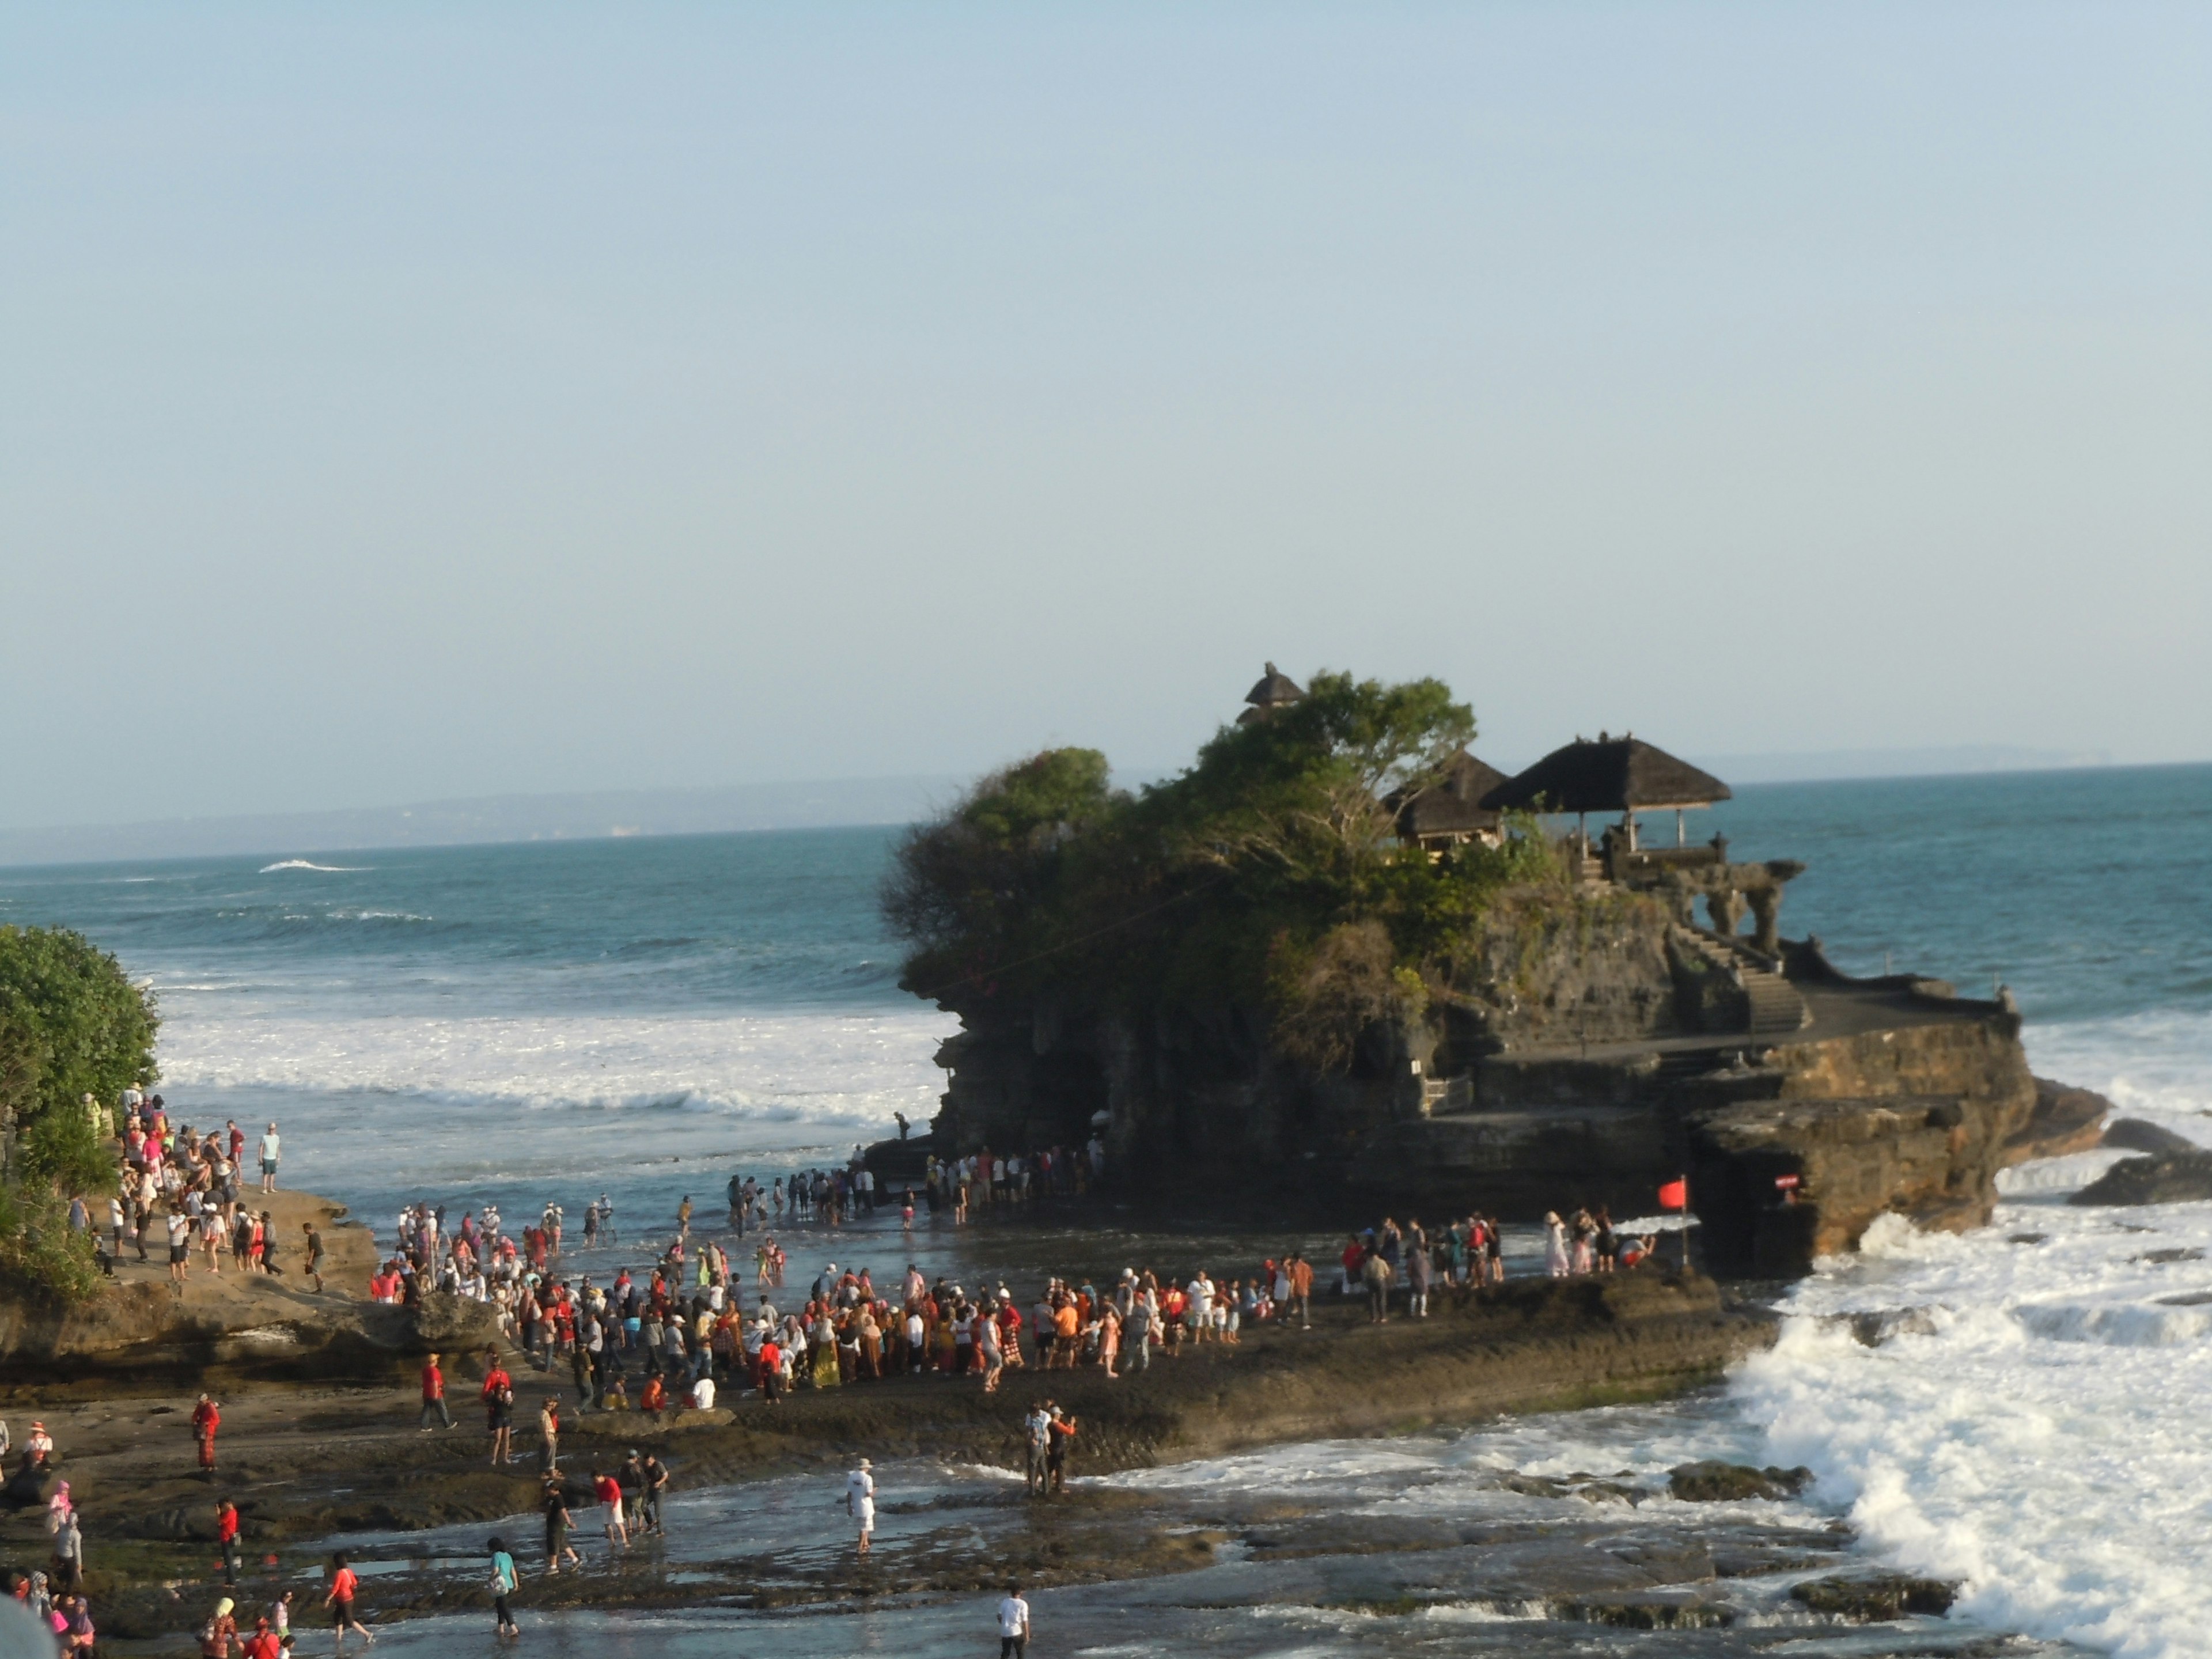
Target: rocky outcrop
1711,1481
1591,1047
2065,1120
1875,1598
142,1327
2134,1134
2167,1178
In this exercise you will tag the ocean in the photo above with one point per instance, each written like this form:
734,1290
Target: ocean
540,1023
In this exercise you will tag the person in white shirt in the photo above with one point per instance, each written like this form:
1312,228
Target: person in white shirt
703,1393
269,1151
1013,1624
1200,1291
861,1501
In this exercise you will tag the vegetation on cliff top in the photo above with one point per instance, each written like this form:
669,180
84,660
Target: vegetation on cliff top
1268,873
71,1025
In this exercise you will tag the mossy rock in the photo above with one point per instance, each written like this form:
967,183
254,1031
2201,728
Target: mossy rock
1877,1599
1715,1482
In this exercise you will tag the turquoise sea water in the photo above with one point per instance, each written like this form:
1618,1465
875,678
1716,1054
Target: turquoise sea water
455,1018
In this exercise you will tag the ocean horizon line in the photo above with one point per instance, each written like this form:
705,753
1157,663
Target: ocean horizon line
519,820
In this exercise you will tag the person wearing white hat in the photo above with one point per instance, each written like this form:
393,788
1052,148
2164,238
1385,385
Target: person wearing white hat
861,1501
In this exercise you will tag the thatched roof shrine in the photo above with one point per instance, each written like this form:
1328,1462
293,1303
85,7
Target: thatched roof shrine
1451,808
1612,775
1274,689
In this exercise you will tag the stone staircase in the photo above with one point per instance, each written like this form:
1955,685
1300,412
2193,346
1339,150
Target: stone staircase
1775,1007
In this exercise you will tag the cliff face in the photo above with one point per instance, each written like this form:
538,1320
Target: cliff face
1593,1048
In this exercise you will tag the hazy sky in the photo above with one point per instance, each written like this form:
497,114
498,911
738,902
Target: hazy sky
400,402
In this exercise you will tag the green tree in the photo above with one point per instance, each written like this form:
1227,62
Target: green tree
1268,873
92,1029
976,889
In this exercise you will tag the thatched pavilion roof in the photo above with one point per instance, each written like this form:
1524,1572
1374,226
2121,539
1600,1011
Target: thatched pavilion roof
1453,804
1612,775
1274,689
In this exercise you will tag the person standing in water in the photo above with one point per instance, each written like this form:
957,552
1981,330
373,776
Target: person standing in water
344,1585
1013,1624
861,1501
504,1583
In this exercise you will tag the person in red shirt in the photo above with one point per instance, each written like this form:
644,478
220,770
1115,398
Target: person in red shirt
654,1398
206,1419
499,1408
434,1394
771,1371
263,1643
608,1490
344,1586
225,1535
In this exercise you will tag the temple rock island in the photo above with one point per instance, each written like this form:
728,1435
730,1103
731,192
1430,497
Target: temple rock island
1340,956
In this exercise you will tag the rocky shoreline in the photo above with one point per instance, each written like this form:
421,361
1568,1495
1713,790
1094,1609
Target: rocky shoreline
310,1455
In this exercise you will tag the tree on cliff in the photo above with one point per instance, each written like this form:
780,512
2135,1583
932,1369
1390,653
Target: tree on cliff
1266,874
71,1025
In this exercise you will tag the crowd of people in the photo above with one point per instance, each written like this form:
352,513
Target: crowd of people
190,1190
678,1334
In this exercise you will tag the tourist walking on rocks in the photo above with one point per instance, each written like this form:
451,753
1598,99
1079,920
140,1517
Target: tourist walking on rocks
860,1502
434,1394
180,1236
314,1267
504,1583
68,1552
345,1585
608,1491
207,1418
653,1482
1375,1274
269,1151
549,1436
226,1538
1037,1429
557,1522
499,1408
1063,1430
1013,1624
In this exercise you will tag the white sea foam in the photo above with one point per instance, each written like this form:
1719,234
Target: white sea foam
2036,1429
826,1066
303,864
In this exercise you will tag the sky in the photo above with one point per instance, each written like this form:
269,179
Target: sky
414,402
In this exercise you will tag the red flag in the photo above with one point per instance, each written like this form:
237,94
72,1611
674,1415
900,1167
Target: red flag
1675,1195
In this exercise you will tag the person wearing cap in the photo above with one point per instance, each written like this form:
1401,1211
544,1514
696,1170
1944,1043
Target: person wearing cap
861,1501
557,1522
265,1642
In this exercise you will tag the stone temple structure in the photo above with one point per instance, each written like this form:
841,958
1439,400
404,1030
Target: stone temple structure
1618,1034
